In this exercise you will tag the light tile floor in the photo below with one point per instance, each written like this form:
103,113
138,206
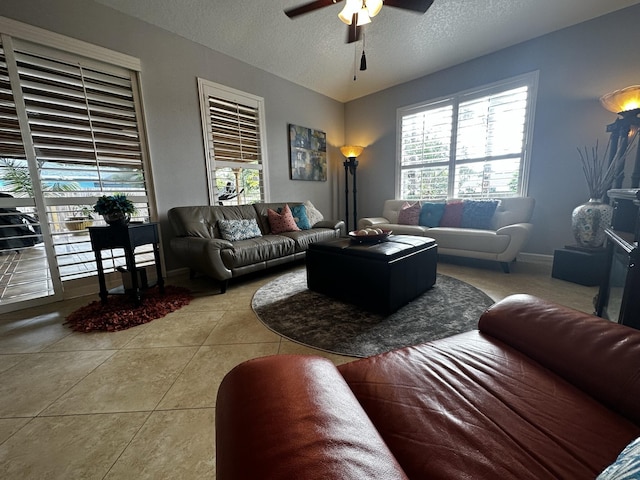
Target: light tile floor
139,404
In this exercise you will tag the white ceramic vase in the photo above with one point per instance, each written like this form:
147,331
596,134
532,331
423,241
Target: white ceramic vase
588,222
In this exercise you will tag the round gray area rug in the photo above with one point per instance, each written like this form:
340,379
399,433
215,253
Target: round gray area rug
287,307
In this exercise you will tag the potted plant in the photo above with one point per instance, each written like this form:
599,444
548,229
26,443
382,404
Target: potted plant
80,220
116,209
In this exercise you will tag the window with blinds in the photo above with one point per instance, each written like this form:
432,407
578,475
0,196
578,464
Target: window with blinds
232,123
80,127
471,145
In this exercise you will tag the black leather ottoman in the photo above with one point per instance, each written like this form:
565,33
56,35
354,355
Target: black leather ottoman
380,277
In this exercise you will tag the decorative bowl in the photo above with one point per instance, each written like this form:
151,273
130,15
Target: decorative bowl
369,238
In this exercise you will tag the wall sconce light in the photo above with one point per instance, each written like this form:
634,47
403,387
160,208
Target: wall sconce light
351,153
626,103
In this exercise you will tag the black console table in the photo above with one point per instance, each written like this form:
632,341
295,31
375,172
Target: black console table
127,237
618,298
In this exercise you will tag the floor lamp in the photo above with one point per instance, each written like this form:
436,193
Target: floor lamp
626,103
351,153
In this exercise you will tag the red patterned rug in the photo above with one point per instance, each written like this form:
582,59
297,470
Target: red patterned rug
120,312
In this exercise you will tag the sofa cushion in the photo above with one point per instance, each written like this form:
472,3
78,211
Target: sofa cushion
299,213
469,239
431,214
304,238
234,230
281,222
478,213
313,214
257,250
470,406
452,216
409,214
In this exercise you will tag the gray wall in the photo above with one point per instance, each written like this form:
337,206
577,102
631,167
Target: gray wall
576,66
170,66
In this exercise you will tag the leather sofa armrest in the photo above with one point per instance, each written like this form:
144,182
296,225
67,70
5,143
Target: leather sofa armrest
202,254
294,416
596,355
370,221
333,224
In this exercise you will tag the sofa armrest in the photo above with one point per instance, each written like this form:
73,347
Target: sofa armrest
371,221
333,224
519,233
202,254
289,416
597,356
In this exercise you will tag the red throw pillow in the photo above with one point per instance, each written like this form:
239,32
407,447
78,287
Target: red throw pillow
452,216
282,222
409,214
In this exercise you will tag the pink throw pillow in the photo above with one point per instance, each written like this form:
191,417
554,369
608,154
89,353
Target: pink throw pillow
452,216
282,222
409,214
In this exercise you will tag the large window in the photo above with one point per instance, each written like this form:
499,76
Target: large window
233,126
471,145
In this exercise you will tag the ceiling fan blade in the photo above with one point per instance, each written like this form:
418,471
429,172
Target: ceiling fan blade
416,5
353,32
309,7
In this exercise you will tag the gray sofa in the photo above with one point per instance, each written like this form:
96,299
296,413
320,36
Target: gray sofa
199,244
510,230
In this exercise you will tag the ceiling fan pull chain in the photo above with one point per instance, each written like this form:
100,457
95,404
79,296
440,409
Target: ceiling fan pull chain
363,59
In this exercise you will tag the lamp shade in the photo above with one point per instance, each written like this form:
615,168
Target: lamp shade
622,100
351,151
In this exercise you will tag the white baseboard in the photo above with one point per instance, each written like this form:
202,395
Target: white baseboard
536,258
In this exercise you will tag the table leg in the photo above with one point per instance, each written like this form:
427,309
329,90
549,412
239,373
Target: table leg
101,280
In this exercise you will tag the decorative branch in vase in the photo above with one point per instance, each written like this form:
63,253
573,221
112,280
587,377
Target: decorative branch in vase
589,220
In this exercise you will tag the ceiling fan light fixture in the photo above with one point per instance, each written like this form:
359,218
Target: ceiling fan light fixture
363,17
350,7
374,7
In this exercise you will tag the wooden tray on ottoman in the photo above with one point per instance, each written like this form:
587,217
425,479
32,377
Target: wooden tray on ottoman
380,277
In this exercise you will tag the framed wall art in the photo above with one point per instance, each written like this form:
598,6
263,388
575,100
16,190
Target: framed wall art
307,154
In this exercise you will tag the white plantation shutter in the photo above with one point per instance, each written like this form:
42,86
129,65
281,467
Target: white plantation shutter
232,123
70,121
235,132
472,145
84,128
426,143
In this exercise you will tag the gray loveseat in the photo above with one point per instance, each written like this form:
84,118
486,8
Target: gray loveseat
199,244
509,229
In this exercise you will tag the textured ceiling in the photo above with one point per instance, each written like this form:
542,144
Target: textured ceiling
400,45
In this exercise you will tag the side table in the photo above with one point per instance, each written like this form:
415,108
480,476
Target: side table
127,237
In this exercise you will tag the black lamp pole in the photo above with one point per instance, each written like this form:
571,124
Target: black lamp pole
350,166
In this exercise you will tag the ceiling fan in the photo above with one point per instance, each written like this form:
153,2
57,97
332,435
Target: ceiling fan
359,12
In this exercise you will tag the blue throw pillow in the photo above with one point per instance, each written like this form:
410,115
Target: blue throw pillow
299,213
430,214
478,213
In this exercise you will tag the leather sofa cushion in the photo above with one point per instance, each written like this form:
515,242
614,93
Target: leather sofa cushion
470,406
304,238
256,250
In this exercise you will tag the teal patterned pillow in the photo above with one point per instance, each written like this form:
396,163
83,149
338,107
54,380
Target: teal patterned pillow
299,213
234,230
626,466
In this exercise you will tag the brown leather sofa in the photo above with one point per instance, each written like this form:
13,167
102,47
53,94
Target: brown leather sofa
539,391
199,245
